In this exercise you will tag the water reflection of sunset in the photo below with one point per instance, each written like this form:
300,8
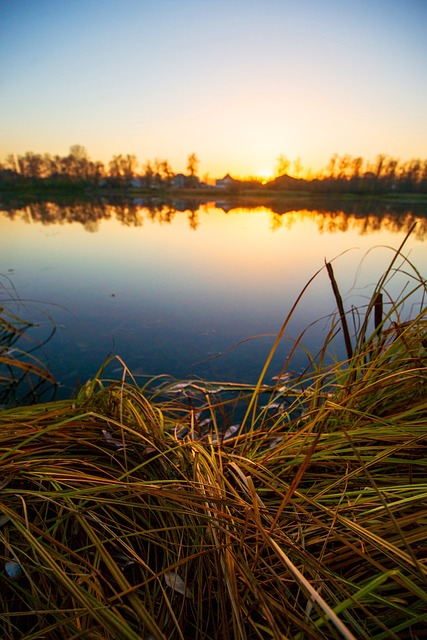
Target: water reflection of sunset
146,281
133,214
253,244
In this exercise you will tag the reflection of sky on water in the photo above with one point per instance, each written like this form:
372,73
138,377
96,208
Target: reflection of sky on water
166,296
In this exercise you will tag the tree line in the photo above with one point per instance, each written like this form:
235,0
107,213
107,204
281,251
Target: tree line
78,167
355,174
342,173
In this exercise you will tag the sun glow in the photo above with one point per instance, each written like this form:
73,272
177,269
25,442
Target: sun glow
264,175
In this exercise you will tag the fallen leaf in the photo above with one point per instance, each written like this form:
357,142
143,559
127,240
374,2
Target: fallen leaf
176,583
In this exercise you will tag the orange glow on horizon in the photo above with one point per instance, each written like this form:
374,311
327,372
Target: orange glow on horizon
265,175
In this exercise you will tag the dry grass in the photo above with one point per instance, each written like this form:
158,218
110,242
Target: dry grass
23,377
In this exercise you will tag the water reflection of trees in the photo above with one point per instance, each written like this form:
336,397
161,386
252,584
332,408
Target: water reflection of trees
90,213
339,221
134,213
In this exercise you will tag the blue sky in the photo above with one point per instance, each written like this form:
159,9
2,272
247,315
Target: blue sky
238,82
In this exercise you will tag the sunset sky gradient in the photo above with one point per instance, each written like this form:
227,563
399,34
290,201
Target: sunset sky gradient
238,82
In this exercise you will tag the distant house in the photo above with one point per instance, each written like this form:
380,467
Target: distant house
179,181
225,182
286,183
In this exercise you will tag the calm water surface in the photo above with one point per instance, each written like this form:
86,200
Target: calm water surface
175,292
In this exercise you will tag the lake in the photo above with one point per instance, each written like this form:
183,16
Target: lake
192,291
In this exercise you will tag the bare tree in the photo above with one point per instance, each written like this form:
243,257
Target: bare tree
192,164
356,166
282,165
148,174
344,166
380,165
32,165
332,166
297,167
11,163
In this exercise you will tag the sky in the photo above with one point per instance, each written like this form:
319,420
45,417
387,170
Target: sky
238,82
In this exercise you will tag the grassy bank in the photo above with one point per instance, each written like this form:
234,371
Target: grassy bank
136,512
